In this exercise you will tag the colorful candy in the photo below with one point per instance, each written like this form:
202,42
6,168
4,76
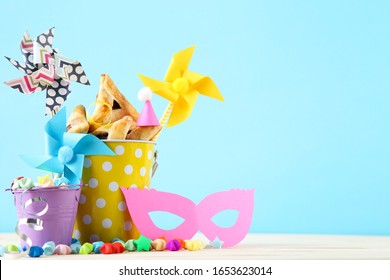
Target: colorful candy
118,240
61,181
216,243
75,248
47,182
96,246
159,244
130,246
112,248
11,248
86,248
22,183
194,245
48,248
62,249
142,243
35,252
173,245
118,246
182,243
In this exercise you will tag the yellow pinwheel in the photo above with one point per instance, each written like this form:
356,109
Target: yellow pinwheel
182,87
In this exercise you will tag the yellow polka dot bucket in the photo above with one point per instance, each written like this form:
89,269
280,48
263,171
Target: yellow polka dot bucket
102,213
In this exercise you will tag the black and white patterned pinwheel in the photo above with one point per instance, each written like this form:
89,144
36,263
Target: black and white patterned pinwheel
46,69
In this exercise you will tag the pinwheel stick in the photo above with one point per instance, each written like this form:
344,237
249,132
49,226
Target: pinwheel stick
54,175
164,119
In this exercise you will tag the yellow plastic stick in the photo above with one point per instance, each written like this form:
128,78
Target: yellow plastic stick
164,119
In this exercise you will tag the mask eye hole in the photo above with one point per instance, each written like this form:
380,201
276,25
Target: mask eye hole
226,218
165,220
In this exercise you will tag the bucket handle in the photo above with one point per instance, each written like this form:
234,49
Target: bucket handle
155,163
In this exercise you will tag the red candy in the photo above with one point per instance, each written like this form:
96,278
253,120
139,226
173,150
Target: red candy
112,248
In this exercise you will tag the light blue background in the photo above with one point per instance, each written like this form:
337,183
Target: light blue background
306,116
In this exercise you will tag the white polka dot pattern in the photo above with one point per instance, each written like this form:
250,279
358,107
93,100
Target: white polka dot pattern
83,199
87,219
93,183
127,225
104,212
128,169
122,206
113,186
107,223
100,203
107,166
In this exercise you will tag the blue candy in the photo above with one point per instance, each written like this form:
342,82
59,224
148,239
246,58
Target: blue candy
96,246
75,248
35,252
75,241
48,248
61,181
1,251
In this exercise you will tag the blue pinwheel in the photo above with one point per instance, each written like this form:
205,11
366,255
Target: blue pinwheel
65,151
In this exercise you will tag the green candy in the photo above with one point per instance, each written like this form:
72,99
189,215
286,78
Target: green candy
12,248
86,249
142,243
23,183
130,246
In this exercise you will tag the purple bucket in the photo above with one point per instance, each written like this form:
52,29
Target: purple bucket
46,214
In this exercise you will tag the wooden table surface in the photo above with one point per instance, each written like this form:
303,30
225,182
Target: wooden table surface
263,246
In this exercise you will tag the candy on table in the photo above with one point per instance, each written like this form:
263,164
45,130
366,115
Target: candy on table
112,248
118,247
194,245
35,251
216,243
142,243
159,244
62,249
75,241
96,246
48,248
11,251
173,245
11,248
118,240
86,248
130,246
75,245
75,248
182,243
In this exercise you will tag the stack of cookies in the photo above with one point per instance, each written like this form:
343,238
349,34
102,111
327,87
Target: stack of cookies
114,118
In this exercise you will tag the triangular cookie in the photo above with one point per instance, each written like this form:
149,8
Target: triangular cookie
145,133
77,122
111,104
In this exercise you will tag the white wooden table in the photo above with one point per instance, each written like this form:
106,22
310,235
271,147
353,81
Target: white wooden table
263,247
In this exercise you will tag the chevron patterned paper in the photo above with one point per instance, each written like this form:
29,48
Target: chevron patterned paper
46,69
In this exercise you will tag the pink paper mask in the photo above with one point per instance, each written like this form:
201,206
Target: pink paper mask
197,217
